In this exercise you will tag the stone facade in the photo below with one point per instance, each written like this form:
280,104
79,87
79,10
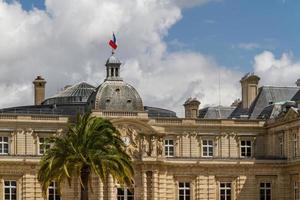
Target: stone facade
167,153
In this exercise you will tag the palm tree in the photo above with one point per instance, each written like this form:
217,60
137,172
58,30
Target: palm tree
92,144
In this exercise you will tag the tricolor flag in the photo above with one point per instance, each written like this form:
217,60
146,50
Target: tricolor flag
113,42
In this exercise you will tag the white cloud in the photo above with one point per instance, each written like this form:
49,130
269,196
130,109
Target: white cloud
277,71
67,43
249,46
209,21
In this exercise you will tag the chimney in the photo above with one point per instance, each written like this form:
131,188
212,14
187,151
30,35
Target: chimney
298,82
39,90
249,84
191,107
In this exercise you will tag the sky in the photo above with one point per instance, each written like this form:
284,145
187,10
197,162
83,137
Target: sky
170,49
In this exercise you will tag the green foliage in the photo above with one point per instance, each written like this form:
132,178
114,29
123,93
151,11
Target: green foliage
91,143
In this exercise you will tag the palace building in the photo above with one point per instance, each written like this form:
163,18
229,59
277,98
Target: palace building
249,150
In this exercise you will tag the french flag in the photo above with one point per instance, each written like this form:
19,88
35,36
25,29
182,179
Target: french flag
113,42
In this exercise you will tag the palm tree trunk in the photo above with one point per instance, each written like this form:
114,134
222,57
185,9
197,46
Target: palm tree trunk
85,173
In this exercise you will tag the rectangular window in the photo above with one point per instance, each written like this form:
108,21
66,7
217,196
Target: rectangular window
125,194
281,148
296,191
225,191
295,144
10,190
184,191
245,148
207,148
53,193
3,145
265,191
43,145
169,147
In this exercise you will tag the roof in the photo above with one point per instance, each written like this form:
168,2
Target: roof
268,95
115,95
218,112
113,60
68,109
159,112
78,93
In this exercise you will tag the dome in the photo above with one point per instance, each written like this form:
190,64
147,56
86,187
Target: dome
113,60
115,96
78,93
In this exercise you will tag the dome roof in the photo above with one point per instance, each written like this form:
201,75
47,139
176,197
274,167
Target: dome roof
113,60
78,93
115,96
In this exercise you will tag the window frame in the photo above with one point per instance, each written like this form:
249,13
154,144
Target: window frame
55,191
295,190
125,195
207,147
225,188
281,145
265,188
295,145
10,187
40,144
185,188
248,148
3,143
168,146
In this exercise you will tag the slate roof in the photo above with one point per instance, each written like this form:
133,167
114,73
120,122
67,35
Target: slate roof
68,109
268,95
159,112
218,112
77,93
268,104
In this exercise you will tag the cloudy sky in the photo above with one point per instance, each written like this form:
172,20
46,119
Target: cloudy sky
170,49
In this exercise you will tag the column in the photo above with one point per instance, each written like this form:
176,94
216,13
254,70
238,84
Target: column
110,188
155,185
144,183
100,190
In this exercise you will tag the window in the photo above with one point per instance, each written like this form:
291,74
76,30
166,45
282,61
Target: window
3,145
295,144
184,191
10,190
296,191
169,147
125,194
245,148
43,145
281,148
53,193
265,191
208,148
225,191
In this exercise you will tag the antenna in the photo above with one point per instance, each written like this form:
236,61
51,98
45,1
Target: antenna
219,77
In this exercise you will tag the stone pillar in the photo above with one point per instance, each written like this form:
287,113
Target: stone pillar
100,190
155,185
110,188
162,184
144,183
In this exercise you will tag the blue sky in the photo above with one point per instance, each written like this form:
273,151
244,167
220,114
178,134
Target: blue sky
231,31
222,29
